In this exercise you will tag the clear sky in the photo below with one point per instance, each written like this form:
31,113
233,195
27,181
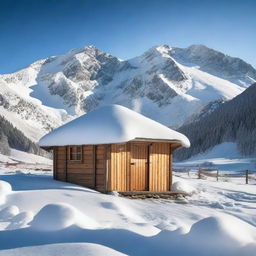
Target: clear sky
35,29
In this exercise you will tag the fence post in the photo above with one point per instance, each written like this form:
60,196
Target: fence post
199,173
217,176
247,176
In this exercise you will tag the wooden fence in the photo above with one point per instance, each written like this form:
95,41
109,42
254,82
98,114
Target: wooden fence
34,166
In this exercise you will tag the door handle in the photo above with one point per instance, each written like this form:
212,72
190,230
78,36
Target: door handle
132,163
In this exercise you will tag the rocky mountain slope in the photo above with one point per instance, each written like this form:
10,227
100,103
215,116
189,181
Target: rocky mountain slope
168,84
232,121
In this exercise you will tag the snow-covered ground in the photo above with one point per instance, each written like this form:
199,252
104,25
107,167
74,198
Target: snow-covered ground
17,156
224,156
41,216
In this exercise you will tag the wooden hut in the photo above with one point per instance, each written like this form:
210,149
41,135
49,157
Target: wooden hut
114,148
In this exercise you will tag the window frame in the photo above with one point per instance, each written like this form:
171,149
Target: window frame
73,151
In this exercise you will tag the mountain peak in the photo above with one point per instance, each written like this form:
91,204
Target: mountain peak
91,49
198,47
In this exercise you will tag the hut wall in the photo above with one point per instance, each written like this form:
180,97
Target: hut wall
59,163
82,172
120,167
100,167
138,166
159,170
89,172
118,173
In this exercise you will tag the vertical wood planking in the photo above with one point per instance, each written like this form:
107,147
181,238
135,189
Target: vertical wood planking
55,163
118,167
170,170
139,166
159,167
108,174
66,163
107,168
100,167
94,164
128,166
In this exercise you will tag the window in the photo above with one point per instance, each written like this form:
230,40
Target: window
75,153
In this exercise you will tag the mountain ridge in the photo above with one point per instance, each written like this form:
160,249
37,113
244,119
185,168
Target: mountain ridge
163,83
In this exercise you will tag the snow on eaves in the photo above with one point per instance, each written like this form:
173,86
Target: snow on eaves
110,124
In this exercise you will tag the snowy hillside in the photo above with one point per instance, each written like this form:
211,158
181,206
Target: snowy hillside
224,157
20,157
218,219
233,121
167,84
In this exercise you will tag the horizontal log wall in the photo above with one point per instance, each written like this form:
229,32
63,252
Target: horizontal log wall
100,177
89,172
82,172
60,163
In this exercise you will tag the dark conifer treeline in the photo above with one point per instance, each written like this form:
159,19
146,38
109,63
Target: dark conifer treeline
233,121
11,137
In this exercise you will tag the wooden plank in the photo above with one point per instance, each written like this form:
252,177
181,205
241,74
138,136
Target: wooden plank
100,166
80,177
128,167
72,165
113,166
139,169
118,166
151,177
159,167
61,158
108,168
66,164
94,166
85,171
55,159
170,170
60,170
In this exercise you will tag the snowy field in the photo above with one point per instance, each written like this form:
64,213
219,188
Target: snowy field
41,216
225,157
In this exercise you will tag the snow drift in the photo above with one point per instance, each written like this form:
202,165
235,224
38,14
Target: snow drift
5,187
59,216
183,187
8,212
117,225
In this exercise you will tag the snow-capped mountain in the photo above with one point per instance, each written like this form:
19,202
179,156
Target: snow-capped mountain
168,84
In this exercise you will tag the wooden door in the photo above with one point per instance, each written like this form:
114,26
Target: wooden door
139,167
159,179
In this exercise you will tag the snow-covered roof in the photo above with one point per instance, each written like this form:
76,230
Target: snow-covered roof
110,124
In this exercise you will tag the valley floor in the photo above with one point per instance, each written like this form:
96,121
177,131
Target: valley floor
41,216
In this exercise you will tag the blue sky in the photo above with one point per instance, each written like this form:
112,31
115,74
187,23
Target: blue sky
35,29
